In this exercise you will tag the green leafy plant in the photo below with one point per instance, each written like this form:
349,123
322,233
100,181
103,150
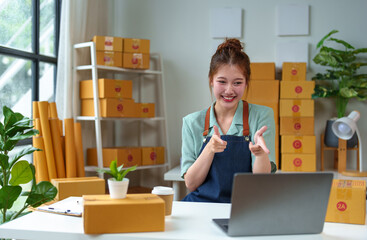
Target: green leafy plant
118,173
341,80
14,172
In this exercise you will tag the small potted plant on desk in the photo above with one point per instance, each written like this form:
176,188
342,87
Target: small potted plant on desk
118,184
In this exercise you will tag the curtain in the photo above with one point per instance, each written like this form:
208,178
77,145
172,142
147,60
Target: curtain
80,21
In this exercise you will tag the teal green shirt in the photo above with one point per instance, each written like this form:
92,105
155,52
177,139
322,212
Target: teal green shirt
193,128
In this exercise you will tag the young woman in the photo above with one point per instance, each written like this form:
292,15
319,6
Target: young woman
230,136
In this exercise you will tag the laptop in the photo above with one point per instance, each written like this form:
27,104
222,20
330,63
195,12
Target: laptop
277,204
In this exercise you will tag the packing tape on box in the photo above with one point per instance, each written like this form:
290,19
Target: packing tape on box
296,108
297,145
47,139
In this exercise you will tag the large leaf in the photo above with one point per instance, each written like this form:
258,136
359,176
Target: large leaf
23,152
21,173
42,193
2,130
347,45
21,135
8,195
319,44
360,50
4,162
348,92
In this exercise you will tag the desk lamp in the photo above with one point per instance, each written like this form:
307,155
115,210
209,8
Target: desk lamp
345,128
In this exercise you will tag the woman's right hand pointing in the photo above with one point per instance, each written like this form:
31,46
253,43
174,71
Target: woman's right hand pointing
216,144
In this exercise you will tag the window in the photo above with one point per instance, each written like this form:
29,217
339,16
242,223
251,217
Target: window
29,37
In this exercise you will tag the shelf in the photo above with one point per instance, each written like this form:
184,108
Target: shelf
117,69
94,168
87,118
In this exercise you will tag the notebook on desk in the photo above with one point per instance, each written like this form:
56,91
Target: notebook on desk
277,204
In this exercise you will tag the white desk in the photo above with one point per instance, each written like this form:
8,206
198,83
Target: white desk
188,221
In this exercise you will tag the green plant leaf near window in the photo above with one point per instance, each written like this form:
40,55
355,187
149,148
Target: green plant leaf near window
341,80
14,171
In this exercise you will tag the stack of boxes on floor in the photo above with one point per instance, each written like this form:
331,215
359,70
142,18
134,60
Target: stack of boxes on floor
264,90
298,143
116,100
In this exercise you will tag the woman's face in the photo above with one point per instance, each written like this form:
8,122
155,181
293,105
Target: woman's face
228,86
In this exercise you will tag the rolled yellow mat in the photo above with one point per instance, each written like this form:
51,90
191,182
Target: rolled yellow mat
56,142
47,139
53,110
60,128
37,125
79,150
70,155
41,166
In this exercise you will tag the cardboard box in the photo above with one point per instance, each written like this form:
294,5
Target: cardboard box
105,43
272,104
77,187
124,155
135,213
107,58
110,107
347,202
298,144
298,162
294,71
107,88
135,45
296,108
146,110
136,61
297,126
153,155
262,71
262,90
297,89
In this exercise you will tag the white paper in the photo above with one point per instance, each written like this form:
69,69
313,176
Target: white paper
68,206
226,22
293,19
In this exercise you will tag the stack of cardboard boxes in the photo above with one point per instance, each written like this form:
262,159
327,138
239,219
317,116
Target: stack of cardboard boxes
264,90
122,52
298,143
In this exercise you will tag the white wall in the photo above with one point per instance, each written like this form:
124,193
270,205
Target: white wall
180,31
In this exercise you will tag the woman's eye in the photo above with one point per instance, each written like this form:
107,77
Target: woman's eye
237,83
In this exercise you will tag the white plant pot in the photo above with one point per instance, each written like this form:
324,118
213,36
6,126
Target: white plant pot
118,189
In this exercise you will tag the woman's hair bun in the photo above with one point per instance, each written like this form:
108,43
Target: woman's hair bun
231,43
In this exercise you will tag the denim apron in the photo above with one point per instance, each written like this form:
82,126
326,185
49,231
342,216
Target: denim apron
217,186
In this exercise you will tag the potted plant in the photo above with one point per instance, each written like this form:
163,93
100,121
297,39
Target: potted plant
341,79
14,171
118,184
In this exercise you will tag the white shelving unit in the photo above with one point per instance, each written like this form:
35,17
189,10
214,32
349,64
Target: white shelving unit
95,69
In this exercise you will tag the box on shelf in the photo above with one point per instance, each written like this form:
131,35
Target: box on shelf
298,144
106,43
136,60
298,162
135,45
129,156
296,108
294,71
146,110
347,202
110,107
152,155
262,71
296,89
109,58
297,126
108,88
135,213
78,186
263,90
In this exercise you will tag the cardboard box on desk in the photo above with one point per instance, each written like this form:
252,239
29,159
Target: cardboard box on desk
108,88
294,71
106,43
296,108
347,202
298,162
110,107
109,58
124,155
296,89
262,71
298,144
152,155
135,45
77,187
135,213
135,60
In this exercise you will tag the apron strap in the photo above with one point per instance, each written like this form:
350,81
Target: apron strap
246,128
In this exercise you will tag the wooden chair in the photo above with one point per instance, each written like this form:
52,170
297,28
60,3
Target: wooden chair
340,154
